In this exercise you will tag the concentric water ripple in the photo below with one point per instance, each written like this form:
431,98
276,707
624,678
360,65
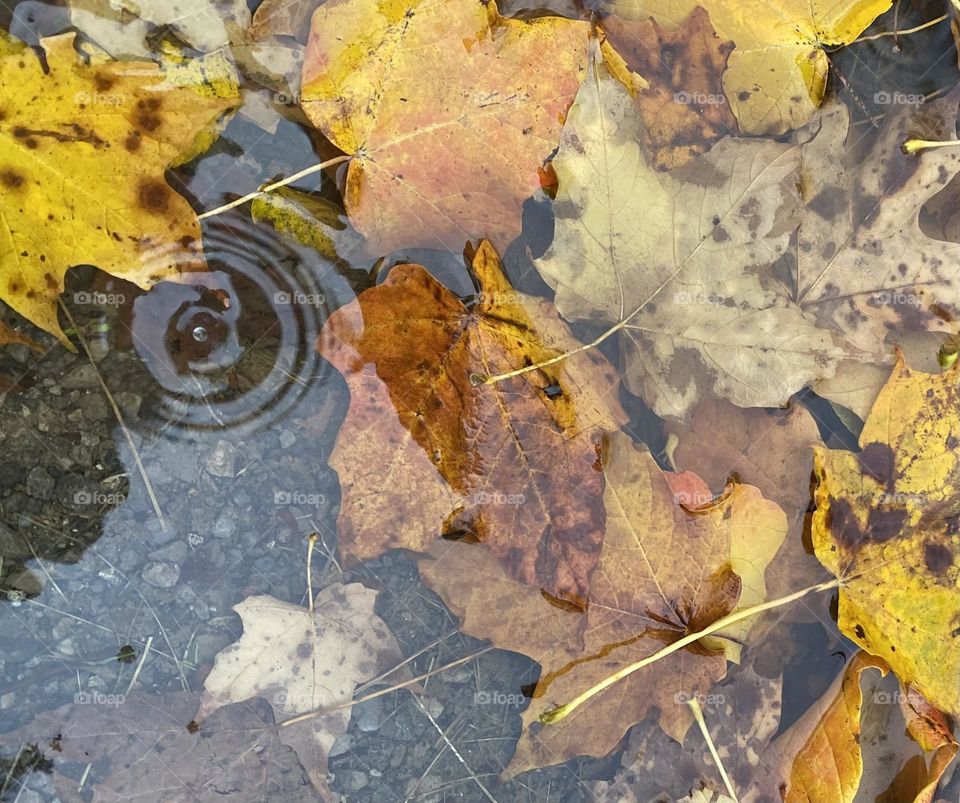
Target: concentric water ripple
233,347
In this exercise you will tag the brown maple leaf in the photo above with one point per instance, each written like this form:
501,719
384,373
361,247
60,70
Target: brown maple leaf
684,109
667,568
424,452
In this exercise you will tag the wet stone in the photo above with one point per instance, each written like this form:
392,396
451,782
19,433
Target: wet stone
172,553
83,376
340,746
46,418
129,403
225,526
40,484
351,780
161,575
368,714
222,460
94,407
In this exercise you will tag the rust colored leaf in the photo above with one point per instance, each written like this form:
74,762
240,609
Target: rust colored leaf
684,108
820,758
424,452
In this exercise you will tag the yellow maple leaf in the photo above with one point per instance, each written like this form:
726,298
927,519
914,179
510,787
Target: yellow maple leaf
83,149
886,522
777,73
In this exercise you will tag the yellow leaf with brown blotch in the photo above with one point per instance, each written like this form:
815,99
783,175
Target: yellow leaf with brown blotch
777,73
83,149
886,523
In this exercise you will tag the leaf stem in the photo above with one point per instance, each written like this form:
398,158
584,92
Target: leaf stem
915,146
929,24
479,379
553,715
311,543
698,716
275,186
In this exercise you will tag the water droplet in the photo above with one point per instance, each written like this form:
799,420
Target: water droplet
200,334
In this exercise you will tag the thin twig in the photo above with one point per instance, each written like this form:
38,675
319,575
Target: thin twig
119,417
895,32
13,768
275,186
453,749
311,542
324,711
140,663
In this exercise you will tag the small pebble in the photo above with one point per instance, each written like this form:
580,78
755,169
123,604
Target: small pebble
161,575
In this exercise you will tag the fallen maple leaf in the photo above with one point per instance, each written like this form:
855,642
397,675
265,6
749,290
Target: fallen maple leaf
755,271
667,568
302,661
684,109
83,147
425,451
683,286
437,104
886,522
777,74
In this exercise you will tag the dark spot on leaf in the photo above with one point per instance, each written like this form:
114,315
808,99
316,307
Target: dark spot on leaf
828,203
720,234
877,461
937,557
103,82
132,142
860,632
153,196
882,525
148,122
12,178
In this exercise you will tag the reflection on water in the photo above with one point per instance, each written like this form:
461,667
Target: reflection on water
233,348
